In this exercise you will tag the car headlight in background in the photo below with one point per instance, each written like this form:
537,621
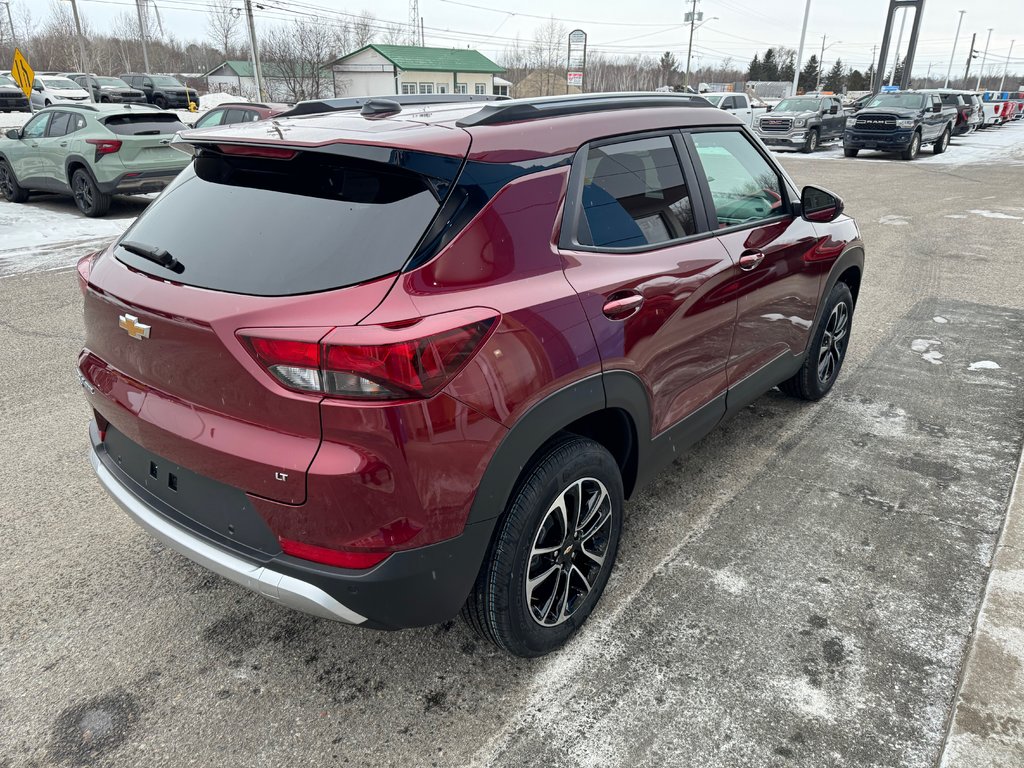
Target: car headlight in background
800,122
904,123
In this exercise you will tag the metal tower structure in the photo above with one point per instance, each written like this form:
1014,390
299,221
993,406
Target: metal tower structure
414,22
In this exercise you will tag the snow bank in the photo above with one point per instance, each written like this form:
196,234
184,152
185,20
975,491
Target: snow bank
211,100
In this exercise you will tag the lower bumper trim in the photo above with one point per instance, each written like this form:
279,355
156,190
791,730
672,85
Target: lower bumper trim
279,587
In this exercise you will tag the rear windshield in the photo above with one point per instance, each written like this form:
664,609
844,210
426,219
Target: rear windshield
144,124
270,227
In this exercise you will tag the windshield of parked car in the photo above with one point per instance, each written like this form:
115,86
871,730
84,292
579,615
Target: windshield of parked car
5,80
899,100
716,100
61,84
798,105
164,80
115,82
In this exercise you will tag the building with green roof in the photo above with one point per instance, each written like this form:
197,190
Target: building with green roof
378,70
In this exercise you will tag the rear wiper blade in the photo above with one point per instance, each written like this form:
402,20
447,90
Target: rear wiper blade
156,255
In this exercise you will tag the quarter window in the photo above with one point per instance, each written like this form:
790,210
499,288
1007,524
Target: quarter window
634,194
744,186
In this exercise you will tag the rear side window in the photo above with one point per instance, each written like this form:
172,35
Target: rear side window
634,194
744,187
58,124
144,124
311,223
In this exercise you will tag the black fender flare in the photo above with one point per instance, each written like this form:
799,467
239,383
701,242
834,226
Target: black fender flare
75,158
853,256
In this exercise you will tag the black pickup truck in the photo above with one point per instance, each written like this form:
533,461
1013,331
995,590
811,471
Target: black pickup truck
901,122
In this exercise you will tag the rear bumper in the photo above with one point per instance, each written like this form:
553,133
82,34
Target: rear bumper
139,182
413,588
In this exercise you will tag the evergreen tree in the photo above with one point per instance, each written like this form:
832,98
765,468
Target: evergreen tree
787,68
856,81
668,66
755,69
836,78
770,65
809,75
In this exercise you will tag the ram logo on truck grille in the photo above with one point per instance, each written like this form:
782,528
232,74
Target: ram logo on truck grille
135,329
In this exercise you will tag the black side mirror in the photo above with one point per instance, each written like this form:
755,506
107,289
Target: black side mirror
834,110
37,88
936,107
819,205
769,108
14,133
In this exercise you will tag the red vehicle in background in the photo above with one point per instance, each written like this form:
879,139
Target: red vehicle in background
484,328
241,112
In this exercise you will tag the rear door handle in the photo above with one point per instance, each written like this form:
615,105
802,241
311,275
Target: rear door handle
622,305
63,143
750,260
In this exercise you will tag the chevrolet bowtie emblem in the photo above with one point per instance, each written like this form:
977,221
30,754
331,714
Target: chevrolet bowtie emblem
135,329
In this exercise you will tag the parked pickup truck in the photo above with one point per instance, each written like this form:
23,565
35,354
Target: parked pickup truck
802,122
737,103
902,122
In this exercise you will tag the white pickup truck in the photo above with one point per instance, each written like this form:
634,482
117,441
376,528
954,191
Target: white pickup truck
737,103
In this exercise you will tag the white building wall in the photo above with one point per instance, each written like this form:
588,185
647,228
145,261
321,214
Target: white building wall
369,74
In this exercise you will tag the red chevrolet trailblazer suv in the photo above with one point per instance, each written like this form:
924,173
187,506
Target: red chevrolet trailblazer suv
384,366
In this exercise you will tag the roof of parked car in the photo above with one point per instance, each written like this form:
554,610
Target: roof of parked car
529,129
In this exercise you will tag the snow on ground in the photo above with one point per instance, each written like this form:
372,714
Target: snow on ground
1003,145
211,100
49,233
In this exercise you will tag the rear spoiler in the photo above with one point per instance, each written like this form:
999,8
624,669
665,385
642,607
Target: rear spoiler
319,106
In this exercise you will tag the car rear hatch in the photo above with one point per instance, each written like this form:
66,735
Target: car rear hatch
263,239
144,137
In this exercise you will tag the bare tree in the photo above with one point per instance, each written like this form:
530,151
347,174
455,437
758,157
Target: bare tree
548,55
222,25
363,30
397,34
296,59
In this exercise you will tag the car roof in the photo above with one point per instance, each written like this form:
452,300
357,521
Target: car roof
505,131
105,110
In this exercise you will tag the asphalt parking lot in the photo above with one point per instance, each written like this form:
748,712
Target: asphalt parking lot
799,590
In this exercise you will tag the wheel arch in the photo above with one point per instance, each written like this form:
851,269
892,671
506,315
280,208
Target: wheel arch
849,269
72,163
611,408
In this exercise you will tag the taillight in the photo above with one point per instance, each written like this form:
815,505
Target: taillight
415,360
85,269
105,146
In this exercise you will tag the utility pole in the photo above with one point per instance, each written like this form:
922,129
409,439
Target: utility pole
689,48
977,85
142,33
970,58
14,34
255,50
899,44
821,63
1007,67
871,84
800,50
956,39
81,47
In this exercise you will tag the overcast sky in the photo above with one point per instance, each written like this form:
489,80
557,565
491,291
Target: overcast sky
652,26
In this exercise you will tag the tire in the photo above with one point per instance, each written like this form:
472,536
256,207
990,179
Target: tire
911,152
161,102
532,540
812,142
88,198
941,144
827,349
850,151
9,186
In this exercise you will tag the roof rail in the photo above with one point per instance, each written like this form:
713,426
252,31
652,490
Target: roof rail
532,109
317,106
90,107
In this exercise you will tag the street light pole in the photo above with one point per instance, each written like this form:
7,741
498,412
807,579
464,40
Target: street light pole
142,34
800,50
977,85
689,48
1007,67
14,34
956,39
81,48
